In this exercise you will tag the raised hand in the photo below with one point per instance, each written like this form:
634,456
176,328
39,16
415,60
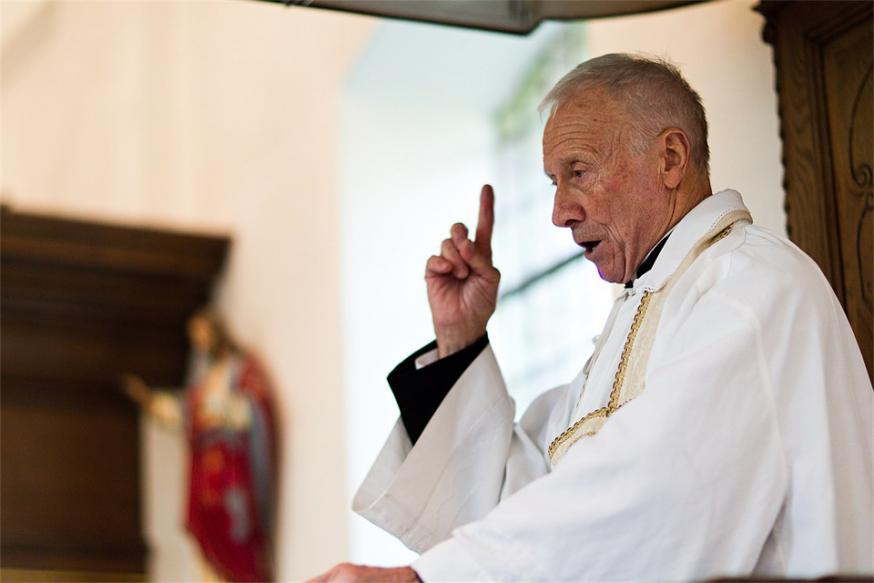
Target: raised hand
463,283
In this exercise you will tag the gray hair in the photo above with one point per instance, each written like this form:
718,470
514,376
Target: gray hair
652,90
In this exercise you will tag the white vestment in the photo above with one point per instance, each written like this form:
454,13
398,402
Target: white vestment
749,449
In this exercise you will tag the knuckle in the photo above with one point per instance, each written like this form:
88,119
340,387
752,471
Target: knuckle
344,568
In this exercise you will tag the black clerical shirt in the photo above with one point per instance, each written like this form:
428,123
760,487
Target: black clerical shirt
420,392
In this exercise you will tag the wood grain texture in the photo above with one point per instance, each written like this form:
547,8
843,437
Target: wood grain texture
822,52
847,67
82,303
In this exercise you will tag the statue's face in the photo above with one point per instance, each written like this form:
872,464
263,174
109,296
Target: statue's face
201,334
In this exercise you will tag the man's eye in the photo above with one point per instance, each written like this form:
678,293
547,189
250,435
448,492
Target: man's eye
579,173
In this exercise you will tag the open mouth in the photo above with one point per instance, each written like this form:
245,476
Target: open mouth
589,246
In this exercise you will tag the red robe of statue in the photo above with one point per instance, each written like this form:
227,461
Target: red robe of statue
230,501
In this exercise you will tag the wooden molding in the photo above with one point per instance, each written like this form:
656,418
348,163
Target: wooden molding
81,303
822,54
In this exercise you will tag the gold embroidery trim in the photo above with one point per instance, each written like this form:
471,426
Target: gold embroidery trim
571,435
613,403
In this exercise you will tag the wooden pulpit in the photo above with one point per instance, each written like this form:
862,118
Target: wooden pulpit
824,55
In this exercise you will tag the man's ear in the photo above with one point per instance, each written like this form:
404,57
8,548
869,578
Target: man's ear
675,153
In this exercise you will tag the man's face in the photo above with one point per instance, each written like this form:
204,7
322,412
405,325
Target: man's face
610,198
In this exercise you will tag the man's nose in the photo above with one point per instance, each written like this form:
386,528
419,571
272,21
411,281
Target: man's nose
565,211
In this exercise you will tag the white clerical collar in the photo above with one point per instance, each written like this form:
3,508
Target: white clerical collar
685,234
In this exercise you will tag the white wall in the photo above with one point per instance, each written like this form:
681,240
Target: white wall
718,47
215,116
409,174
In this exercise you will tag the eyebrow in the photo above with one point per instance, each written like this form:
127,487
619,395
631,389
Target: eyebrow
569,161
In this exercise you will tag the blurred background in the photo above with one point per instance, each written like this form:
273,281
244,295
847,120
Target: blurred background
317,158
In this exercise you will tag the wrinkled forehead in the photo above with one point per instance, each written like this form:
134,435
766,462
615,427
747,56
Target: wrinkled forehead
587,119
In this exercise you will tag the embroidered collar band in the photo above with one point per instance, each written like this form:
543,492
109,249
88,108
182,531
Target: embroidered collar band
682,237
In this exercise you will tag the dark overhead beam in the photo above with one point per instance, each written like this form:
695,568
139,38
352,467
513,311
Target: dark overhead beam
510,16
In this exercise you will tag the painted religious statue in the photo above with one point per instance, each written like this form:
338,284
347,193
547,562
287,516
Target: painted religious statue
226,412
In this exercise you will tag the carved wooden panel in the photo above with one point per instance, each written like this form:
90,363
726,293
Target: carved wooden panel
848,65
81,303
823,54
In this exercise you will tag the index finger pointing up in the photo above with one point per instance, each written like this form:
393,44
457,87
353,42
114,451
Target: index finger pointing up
486,221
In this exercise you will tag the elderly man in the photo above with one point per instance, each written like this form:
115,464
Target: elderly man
723,424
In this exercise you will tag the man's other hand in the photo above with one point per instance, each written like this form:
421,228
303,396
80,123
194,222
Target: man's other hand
349,573
463,283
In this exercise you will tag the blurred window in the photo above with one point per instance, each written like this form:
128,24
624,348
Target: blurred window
552,300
